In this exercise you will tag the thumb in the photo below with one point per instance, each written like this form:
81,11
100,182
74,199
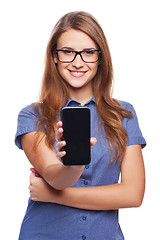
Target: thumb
32,176
93,141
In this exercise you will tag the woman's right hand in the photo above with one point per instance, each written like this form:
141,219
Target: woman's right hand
62,143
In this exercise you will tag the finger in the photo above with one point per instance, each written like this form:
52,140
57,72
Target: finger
60,155
32,176
59,134
59,130
30,188
93,141
34,172
59,145
59,124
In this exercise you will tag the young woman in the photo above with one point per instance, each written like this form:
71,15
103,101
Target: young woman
80,202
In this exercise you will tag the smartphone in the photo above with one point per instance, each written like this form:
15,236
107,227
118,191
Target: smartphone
76,133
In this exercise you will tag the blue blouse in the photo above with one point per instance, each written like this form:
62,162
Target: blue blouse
50,221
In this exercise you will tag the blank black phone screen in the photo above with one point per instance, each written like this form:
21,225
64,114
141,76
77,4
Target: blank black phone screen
76,126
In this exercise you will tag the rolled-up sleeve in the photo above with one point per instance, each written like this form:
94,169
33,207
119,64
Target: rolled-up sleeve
27,122
132,126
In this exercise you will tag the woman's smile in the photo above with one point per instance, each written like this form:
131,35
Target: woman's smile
77,74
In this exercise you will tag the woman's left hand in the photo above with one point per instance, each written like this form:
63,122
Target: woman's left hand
39,189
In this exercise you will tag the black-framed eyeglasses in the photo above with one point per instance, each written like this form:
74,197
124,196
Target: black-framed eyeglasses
87,56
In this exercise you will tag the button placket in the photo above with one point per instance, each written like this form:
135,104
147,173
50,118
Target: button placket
83,226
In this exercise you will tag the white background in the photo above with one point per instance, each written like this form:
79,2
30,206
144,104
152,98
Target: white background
132,30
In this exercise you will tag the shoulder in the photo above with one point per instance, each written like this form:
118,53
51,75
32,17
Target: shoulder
126,105
130,108
28,115
132,125
29,110
28,118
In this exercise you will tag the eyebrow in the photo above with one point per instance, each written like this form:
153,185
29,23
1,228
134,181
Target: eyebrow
70,48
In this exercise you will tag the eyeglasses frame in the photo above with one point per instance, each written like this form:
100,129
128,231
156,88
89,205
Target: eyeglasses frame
77,53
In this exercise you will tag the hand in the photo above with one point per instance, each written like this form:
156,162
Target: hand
40,190
61,144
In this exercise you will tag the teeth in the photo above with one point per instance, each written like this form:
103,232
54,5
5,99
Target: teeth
79,73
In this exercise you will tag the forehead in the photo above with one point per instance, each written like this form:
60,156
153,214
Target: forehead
75,39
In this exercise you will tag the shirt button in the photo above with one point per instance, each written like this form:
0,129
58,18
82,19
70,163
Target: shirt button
84,218
85,182
86,167
83,237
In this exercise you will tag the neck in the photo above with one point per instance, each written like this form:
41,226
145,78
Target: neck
80,95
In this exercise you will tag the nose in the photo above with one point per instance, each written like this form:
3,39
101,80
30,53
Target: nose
78,62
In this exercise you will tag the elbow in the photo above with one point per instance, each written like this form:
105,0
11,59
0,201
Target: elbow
50,175
59,187
139,196
135,195
134,198
138,202
138,199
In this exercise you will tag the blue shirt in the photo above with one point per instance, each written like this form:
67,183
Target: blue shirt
50,221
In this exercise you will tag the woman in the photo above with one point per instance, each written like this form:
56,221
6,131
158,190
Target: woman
80,202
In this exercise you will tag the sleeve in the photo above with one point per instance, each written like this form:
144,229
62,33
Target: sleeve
132,126
27,122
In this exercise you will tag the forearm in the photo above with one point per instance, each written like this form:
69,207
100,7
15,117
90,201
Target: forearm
61,177
46,163
99,198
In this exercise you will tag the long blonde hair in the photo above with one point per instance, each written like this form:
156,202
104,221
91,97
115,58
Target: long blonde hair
54,91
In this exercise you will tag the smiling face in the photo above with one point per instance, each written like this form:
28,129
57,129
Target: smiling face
77,74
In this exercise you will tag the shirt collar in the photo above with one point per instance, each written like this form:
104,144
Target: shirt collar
73,103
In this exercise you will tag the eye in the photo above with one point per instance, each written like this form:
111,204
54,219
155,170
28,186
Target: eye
89,52
68,52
